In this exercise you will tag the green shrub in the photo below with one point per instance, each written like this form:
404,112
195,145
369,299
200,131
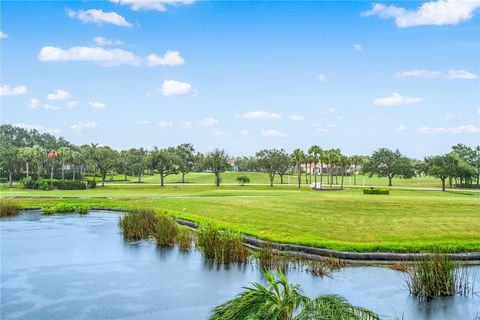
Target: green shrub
243,180
44,184
66,208
8,207
91,184
69,185
3,180
376,191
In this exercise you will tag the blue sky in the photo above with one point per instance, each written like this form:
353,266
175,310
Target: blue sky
245,75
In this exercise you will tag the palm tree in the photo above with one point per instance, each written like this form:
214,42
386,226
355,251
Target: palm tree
280,300
315,152
65,154
52,155
332,157
298,157
345,161
38,155
321,158
26,154
356,161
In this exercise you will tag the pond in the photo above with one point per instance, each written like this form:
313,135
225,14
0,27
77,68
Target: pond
79,267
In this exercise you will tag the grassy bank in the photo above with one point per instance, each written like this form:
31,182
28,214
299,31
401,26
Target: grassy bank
405,220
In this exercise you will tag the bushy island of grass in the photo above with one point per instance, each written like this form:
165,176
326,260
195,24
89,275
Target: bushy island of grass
66,208
9,207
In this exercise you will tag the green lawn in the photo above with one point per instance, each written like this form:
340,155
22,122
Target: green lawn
262,178
406,220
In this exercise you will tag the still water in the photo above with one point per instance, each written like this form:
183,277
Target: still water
79,267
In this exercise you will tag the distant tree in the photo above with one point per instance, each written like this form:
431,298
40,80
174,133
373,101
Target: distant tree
471,157
9,160
298,158
75,160
105,159
25,154
217,162
356,162
186,154
272,161
64,155
332,158
284,163
387,163
242,180
315,153
52,155
136,161
441,167
344,163
38,156
165,162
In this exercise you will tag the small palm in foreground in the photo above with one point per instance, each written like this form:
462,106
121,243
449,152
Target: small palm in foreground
280,300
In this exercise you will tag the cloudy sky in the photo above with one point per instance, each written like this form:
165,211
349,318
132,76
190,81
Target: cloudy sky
245,75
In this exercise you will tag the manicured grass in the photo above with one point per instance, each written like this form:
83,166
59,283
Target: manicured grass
405,220
262,178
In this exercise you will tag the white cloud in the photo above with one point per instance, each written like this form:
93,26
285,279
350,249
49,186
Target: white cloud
273,134
329,111
296,117
144,122
322,77
187,125
464,128
101,41
177,88
6,90
165,124
259,115
37,127
97,105
50,107
325,128
219,133
396,99
3,35
72,104
170,58
441,12
243,132
400,127
104,57
157,5
358,47
208,122
99,16
34,103
79,126
450,74
59,94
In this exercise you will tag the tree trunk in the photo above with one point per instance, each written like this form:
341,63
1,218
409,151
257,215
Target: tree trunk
315,174
27,167
125,177
450,182
38,169
299,176
443,184
63,170
281,178
306,172
343,173
217,179
161,179
73,172
271,179
51,176
331,176
139,177
389,181
10,178
104,176
354,175
183,177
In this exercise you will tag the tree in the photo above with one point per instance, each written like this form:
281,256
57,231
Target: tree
298,158
441,167
273,161
281,300
344,162
65,155
332,158
9,160
136,161
52,155
387,163
26,155
356,161
314,153
284,162
75,160
165,161
217,162
38,156
105,159
186,154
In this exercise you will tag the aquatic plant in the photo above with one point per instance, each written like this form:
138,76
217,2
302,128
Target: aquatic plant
66,208
8,207
281,300
166,230
269,259
185,238
437,275
223,246
138,224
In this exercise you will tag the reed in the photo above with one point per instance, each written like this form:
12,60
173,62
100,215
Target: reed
269,259
166,230
8,207
223,246
185,238
138,224
437,275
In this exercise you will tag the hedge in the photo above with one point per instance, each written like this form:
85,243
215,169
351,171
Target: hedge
44,184
376,191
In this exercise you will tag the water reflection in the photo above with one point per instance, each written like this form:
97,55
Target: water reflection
79,267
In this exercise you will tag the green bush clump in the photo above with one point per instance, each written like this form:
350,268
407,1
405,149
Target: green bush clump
3,180
66,208
91,184
138,224
376,191
166,230
44,184
223,246
185,238
242,180
8,207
